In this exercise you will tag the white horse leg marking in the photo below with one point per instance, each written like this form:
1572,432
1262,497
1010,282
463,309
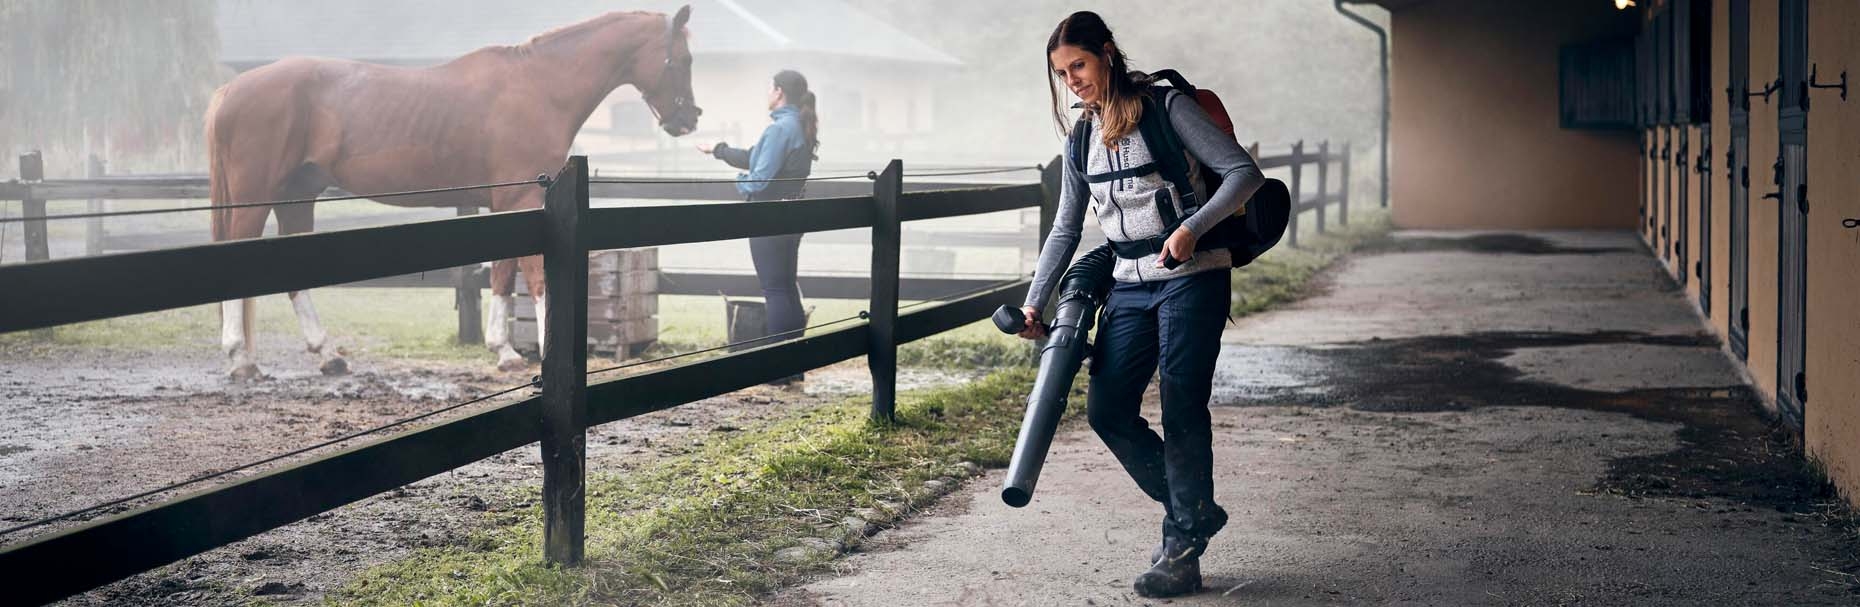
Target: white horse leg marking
497,333
236,338
315,337
497,323
232,321
542,324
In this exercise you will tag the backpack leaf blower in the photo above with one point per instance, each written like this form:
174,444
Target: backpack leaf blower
1082,289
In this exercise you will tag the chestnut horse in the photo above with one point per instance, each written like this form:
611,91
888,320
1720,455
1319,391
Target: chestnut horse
498,114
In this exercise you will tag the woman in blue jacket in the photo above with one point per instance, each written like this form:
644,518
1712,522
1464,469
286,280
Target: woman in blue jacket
776,164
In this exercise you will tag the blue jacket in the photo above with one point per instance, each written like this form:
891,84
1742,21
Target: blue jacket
782,153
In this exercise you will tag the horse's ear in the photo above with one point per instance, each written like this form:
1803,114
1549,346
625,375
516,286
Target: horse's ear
678,20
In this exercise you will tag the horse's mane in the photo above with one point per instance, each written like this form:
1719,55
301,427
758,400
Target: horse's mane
576,29
559,34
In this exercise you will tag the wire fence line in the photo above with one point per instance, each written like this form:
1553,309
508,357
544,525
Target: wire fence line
274,203
541,180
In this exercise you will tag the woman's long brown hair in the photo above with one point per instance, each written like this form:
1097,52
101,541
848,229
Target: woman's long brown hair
1122,106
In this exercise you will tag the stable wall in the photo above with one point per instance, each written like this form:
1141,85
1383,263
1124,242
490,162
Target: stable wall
1764,244
1474,125
1720,275
1832,425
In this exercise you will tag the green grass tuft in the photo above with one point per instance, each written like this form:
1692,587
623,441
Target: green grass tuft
705,528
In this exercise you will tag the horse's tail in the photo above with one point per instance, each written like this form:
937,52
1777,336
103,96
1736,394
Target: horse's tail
219,192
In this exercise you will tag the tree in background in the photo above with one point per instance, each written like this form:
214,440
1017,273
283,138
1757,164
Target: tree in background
127,81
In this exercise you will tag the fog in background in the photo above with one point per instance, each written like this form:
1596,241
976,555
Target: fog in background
127,81
130,82
1286,69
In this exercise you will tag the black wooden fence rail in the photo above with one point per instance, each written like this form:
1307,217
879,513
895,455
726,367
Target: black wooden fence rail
73,560
468,283
54,292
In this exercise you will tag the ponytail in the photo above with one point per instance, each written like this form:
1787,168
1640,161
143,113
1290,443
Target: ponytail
810,122
794,87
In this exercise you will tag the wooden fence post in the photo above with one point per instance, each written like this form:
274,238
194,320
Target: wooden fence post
93,227
882,356
1343,189
466,297
1323,182
565,365
1297,187
1050,186
31,169
38,247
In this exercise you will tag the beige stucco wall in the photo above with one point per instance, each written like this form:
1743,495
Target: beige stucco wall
1832,427
1763,226
1831,431
1474,129
1720,277
1696,206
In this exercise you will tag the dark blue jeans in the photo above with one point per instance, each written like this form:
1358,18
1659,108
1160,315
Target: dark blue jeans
775,258
1176,323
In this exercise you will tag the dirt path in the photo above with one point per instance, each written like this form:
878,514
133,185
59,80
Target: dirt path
1486,420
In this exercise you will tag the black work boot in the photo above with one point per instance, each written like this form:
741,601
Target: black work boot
1219,521
1177,573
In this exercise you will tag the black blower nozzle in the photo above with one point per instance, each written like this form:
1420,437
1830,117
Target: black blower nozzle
1081,291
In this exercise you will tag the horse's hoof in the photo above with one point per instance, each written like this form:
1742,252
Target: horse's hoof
515,363
335,365
243,373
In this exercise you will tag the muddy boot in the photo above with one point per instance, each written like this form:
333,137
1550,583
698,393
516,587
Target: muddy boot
1219,521
1177,573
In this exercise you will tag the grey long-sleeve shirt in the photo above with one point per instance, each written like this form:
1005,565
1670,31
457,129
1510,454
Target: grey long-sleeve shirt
1126,208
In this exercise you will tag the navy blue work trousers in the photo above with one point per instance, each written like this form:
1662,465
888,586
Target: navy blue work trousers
776,258
1175,325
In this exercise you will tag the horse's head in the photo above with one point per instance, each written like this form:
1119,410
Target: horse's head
667,85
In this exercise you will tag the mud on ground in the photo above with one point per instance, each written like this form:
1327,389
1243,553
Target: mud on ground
86,426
